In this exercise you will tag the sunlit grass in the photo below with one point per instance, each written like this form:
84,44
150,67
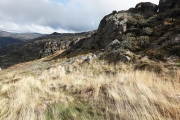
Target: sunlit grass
90,91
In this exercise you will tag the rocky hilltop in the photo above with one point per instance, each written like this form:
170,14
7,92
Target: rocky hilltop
149,29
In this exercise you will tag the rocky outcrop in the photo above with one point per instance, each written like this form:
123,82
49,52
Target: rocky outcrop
49,48
111,27
69,44
114,26
165,5
146,8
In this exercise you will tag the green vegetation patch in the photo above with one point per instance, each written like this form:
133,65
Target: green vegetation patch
78,111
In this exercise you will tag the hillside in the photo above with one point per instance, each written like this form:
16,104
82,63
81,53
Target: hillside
127,69
36,48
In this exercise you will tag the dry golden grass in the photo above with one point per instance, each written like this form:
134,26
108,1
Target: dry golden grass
118,92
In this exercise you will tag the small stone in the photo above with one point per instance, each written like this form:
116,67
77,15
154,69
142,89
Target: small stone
94,56
113,44
173,57
88,59
123,58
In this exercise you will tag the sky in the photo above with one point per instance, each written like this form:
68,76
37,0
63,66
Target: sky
63,16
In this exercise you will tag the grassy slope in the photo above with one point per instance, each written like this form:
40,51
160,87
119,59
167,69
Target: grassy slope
45,90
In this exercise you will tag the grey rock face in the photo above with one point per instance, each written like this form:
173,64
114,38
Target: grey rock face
147,8
74,42
112,26
64,45
165,5
89,43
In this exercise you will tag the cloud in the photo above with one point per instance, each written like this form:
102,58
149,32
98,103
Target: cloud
47,16
32,28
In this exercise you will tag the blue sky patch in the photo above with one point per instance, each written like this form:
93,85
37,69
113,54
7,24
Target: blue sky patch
62,1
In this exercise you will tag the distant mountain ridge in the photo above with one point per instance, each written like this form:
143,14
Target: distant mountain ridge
22,36
7,38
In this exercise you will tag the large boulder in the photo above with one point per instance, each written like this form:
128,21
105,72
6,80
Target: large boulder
111,27
116,56
165,5
112,45
147,8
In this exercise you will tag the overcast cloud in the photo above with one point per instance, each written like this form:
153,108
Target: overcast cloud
47,16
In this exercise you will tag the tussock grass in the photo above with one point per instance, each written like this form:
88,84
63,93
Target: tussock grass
91,91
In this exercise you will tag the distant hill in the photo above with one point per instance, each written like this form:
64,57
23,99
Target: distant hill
22,36
7,38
